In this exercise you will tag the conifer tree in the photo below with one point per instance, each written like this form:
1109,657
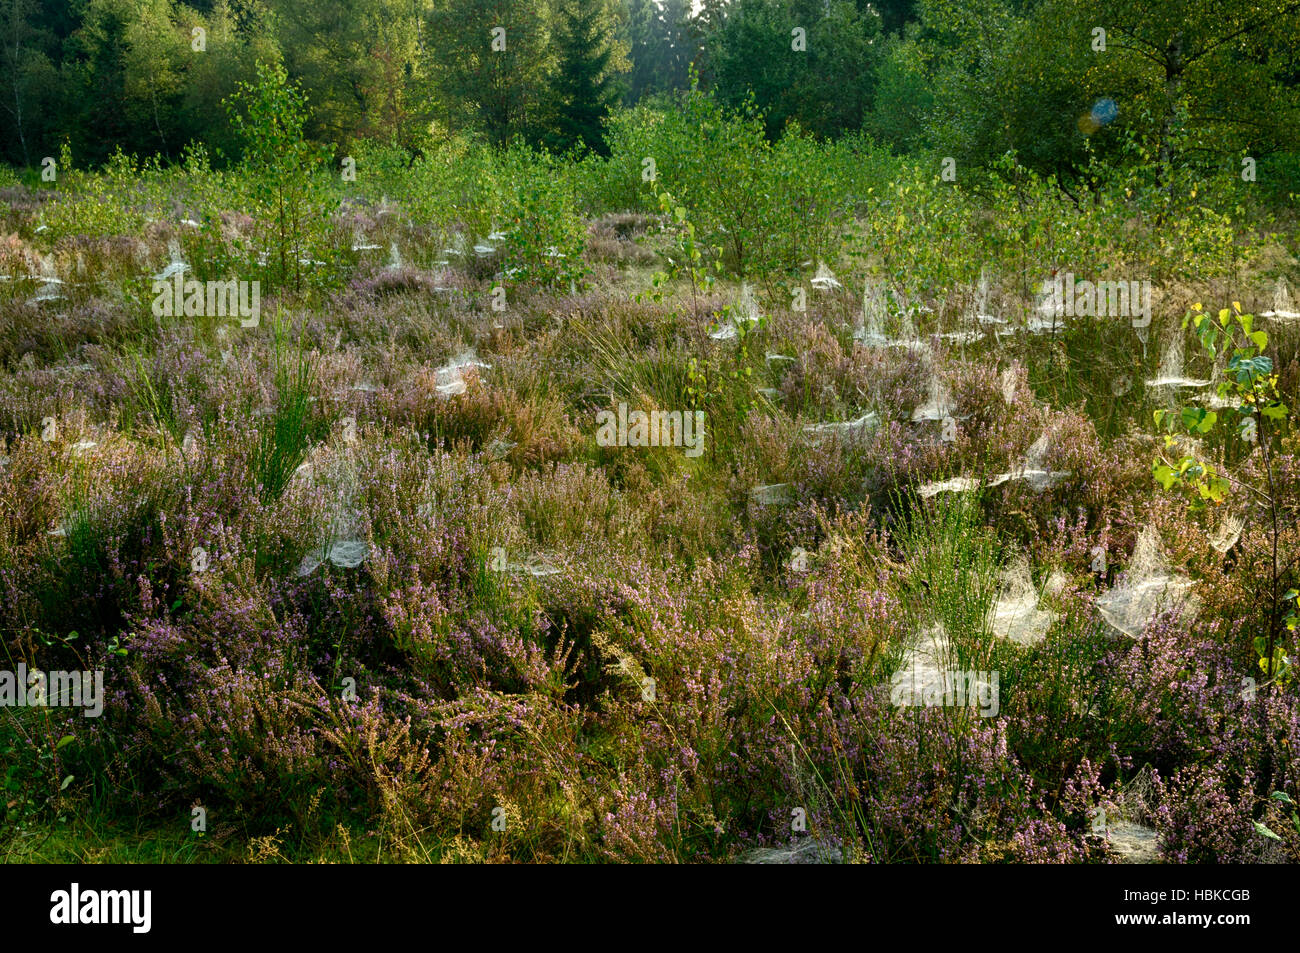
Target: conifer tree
584,87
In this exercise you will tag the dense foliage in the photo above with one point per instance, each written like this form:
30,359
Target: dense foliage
362,577
1208,81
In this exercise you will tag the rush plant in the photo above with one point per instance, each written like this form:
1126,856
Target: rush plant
285,437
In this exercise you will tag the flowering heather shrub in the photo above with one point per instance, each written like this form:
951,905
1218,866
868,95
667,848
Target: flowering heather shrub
481,419
20,205
1211,810
402,281
904,458
937,789
452,609
821,383
48,335
101,260
615,238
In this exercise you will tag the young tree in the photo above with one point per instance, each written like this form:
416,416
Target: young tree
902,99
269,116
1259,417
94,67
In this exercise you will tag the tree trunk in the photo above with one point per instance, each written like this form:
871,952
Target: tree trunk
1174,67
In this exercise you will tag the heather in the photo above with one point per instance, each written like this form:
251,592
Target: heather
364,584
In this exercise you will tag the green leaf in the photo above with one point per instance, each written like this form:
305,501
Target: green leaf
1207,421
1164,475
66,782
1281,796
1246,366
65,740
1275,410
1260,338
1265,831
